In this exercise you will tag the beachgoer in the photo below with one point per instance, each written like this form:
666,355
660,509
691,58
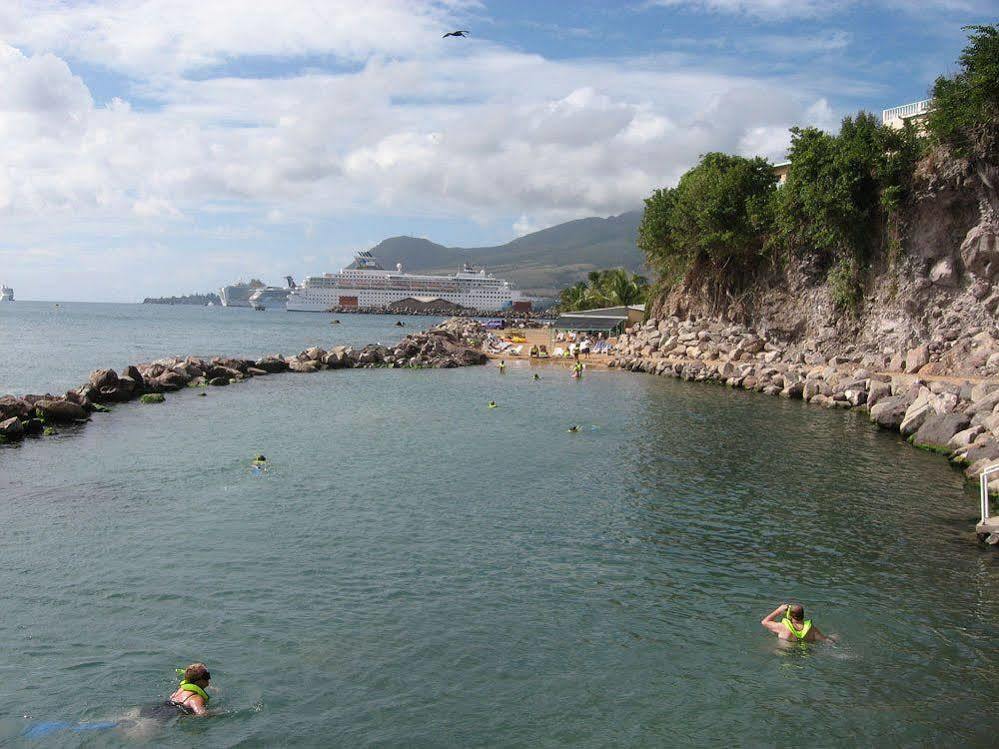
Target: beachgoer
537,376
502,365
190,698
792,625
577,369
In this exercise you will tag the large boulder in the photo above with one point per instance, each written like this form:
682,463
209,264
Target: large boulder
11,428
889,412
917,358
11,406
172,380
938,430
272,364
60,411
304,367
985,404
103,378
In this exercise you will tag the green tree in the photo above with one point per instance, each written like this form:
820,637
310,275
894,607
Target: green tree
605,288
840,186
719,213
965,113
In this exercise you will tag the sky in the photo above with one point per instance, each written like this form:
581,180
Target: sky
160,147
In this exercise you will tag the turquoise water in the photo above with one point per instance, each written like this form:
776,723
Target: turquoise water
418,570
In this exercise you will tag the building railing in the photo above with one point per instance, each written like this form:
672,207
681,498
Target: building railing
906,110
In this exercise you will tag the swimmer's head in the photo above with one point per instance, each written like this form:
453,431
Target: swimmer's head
197,673
260,459
796,611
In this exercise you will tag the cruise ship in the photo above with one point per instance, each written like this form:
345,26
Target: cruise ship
364,283
238,294
272,296
6,293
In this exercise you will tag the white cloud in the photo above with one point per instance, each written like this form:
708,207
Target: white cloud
157,36
783,9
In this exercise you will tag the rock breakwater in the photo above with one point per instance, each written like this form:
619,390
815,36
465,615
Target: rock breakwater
956,416
453,343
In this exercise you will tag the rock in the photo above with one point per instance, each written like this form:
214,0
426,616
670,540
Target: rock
889,412
985,404
11,429
965,437
944,273
917,358
307,366
256,372
61,411
171,380
271,364
915,416
103,378
878,391
980,251
152,398
218,381
313,354
938,430
132,372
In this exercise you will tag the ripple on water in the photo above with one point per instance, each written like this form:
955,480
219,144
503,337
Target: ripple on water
414,570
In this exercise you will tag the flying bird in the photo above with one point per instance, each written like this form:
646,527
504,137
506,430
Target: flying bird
455,33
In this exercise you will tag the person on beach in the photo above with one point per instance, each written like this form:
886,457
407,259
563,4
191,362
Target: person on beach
792,625
502,365
190,697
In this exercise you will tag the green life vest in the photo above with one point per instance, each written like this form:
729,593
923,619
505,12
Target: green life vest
189,687
802,633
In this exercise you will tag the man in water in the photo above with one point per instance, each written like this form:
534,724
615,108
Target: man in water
792,625
502,365
190,698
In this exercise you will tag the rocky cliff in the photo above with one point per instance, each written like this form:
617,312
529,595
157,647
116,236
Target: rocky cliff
941,290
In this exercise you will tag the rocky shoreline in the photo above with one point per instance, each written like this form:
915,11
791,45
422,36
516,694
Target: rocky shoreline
453,343
956,416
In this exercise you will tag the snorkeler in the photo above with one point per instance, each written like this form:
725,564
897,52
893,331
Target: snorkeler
258,465
502,365
492,404
793,627
537,376
574,428
190,698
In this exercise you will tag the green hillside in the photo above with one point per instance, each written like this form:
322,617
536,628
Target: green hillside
541,263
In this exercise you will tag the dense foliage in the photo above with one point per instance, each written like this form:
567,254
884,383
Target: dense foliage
842,189
965,113
604,288
718,213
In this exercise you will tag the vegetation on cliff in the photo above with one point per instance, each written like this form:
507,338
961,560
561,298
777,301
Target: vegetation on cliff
198,299
837,213
604,288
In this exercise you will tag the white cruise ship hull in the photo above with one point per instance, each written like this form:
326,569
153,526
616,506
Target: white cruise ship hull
321,300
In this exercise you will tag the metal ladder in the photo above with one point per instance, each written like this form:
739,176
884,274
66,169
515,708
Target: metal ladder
991,536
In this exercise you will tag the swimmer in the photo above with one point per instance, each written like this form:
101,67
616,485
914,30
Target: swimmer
537,376
399,323
190,698
258,465
574,428
492,404
334,322
502,365
793,627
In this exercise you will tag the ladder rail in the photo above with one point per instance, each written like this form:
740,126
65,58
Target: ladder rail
988,471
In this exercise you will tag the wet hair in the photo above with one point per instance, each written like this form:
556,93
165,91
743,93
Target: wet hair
797,612
197,672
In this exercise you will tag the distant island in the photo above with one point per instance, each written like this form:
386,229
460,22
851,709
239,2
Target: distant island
198,299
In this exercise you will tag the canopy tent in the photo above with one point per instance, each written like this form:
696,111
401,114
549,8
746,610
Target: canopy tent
589,323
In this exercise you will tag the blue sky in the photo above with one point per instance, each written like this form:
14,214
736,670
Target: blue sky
169,146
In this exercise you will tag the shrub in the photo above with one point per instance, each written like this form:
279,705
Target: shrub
718,213
965,113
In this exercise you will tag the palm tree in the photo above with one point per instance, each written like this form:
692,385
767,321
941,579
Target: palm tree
605,288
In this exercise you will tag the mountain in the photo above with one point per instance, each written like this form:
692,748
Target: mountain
540,263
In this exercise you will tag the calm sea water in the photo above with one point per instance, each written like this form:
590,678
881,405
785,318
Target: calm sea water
418,570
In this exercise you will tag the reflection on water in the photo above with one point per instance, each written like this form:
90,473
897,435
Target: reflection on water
415,569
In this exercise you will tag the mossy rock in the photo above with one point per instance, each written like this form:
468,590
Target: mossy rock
101,408
49,431
152,398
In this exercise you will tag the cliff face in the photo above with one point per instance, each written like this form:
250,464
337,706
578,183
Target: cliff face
941,290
